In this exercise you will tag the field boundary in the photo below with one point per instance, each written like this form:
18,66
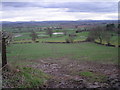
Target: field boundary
110,45
66,42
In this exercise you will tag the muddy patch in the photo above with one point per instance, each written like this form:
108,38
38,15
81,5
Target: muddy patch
65,73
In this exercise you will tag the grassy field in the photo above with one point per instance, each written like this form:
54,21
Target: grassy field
80,51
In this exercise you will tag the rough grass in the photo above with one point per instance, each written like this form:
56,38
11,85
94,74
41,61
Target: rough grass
24,77
32,77
80,51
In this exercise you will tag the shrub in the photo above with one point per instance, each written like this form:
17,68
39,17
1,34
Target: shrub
69,40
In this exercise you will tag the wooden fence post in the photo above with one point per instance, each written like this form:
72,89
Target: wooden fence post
4,58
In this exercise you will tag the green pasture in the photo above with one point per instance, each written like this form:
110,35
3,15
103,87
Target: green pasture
23,36
78,51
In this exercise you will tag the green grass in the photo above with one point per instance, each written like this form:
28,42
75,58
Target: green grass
26,35
23,36
86,74
78,51
93,77
81,36
53,39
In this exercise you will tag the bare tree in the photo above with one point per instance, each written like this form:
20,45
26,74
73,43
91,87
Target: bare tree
107,37
91,36
97,33
49,31
34,35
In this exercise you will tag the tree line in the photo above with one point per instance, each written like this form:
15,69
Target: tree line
103,33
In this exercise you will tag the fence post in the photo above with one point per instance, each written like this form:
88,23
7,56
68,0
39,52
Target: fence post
4,58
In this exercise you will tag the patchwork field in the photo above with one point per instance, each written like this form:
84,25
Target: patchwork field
43,37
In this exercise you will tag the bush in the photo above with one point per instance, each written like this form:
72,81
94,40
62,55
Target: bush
69,40
37,41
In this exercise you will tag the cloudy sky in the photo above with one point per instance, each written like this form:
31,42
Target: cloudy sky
52,10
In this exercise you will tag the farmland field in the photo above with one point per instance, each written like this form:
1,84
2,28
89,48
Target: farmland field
80,51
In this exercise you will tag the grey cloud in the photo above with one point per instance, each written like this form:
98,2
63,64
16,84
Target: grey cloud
87,6
24,4
72,6
14,4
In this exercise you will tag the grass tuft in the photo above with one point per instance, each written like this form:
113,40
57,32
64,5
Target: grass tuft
93,77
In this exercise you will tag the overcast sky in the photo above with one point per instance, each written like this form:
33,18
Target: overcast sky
51,10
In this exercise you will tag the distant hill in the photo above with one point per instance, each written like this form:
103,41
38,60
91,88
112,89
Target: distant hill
56,23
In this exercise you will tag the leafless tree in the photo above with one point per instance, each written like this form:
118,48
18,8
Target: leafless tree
34,35
107,37
99,33
49,31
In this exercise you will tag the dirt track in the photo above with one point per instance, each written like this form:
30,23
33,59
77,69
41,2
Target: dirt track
65,73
